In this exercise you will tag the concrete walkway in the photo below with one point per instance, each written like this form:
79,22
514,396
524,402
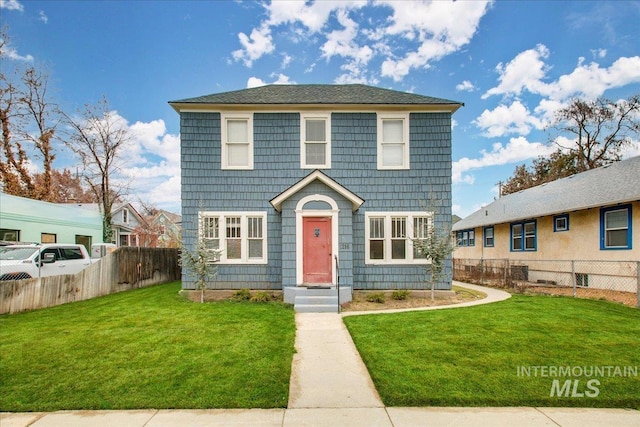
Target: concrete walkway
330,386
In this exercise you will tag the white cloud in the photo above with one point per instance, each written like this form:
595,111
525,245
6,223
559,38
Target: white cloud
7,51
256,45
281,80
465,86
439,27
516,150
525,71
43,17
591,81
507,119
11,5
434,28
599,53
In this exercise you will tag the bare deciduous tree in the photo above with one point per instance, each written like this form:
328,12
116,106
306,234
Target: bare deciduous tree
29,122
98,138
600,128
599,131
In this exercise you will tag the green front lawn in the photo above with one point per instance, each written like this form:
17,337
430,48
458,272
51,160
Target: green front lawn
486,355
147,348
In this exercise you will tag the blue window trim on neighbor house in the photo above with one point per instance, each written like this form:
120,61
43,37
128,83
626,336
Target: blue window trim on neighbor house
466,237
558,221
489,240
528,238
603,228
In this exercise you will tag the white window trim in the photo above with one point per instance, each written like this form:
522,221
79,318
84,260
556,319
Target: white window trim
224,117
405,137
387,238
244,246
303,132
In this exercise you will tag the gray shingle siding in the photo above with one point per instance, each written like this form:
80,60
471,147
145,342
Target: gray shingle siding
277,167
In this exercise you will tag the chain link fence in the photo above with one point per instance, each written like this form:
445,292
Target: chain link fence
611,280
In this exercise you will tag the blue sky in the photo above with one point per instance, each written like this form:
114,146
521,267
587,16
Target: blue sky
512,63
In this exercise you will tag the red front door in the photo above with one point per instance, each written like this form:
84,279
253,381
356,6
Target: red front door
316,250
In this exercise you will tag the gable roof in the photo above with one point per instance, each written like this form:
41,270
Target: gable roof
607,185
316,95
356,201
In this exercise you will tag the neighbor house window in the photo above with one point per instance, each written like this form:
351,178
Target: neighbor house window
393,141
241,237
615,227
395,238
523,236
9,235
561,223
466,238
237,141
488,237
315,141
48,238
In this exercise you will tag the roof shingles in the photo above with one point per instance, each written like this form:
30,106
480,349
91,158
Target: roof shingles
349,94
607,185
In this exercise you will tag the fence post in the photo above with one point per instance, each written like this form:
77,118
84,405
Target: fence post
573,276
638,287
506,273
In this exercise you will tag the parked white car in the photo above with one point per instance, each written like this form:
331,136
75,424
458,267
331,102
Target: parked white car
23,261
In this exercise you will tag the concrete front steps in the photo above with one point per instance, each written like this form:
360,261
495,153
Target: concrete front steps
316,299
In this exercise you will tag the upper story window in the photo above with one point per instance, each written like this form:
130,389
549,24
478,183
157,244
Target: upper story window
393,141
237,141
315,141
615,227
523,236
125,216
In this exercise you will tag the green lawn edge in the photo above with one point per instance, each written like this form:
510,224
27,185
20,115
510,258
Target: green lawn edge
485,355
147,348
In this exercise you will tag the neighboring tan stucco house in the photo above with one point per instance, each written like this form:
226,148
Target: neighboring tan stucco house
305,185
591,216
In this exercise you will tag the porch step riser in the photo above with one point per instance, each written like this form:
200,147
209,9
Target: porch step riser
316,308
316,300
317,292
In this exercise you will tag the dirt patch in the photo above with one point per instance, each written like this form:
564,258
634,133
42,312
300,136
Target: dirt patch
414,299
626,298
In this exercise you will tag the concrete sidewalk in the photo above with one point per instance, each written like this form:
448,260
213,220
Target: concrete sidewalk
330,386
332,417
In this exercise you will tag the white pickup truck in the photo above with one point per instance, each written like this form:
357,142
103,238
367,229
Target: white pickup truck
24,261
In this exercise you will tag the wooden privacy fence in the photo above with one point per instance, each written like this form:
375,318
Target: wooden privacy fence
126,268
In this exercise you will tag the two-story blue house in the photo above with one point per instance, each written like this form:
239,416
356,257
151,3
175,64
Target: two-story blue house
313,185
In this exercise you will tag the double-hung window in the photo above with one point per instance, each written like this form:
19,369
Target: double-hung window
489,239
396,237
237,141
466,238
236,237
615,227
393,141
315,141
523,236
